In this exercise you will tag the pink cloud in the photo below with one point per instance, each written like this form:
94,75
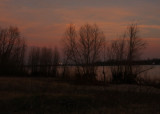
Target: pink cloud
150,26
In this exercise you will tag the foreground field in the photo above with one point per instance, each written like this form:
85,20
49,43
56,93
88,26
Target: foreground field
48,96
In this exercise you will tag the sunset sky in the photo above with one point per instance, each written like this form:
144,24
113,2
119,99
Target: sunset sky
43,22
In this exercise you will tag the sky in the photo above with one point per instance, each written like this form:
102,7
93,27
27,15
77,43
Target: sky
43,22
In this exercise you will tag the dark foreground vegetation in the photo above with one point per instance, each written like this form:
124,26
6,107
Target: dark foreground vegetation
52,96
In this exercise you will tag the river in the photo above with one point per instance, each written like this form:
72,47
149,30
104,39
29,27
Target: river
152,74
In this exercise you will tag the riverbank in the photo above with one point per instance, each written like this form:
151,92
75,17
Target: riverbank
48,96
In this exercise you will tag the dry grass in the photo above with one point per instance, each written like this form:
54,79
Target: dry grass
48,96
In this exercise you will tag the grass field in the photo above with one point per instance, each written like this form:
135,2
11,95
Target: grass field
49,96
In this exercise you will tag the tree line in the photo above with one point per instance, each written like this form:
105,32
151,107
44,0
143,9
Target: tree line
43,61
82,47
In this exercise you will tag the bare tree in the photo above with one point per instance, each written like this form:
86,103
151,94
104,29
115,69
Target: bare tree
18,57
135,46
65,63
56,57
46,61
43,61
90,43
123,52
116,55
34,60
12,49
84,48
56,60
71,53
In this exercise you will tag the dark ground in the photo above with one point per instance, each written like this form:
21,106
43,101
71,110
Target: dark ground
48,96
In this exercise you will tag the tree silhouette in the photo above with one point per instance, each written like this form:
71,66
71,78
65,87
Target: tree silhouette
12,50
34,60
56,60
123,52
84,48
135,45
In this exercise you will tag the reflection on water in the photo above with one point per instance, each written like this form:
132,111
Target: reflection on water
153,74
